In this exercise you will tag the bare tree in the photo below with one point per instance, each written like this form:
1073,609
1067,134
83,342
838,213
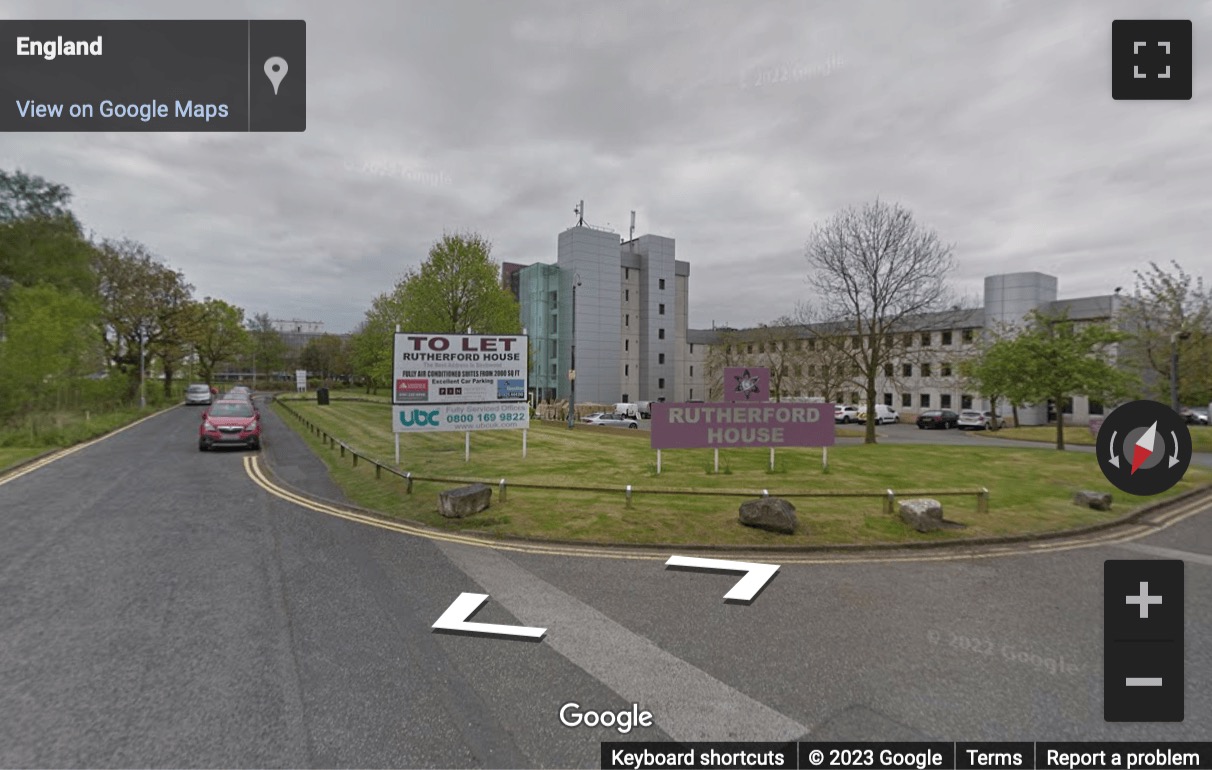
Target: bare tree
876,272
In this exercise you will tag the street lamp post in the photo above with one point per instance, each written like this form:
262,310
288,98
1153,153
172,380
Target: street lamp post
572,369
1174,338
142,373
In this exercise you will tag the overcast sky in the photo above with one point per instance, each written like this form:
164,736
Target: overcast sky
991,120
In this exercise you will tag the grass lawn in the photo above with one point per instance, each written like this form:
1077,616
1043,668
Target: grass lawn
1079,435
1030,490
10,456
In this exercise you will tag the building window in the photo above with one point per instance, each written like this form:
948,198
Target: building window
945,370
966,335
660,358
925,339
692,394
660,334
944,401
660,310
761,347
627,344
661,284
553,370
965,401
661,383
925,370
1096,407
692,348
692,371
908,340
799,370
906,400
1068,407
811,370
626,273
812,344
626,370
925,401
854,397
887,370
906,370
627,320
947,338
887,399
626,295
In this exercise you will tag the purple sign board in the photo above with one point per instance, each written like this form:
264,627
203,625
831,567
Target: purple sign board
721,426
746,383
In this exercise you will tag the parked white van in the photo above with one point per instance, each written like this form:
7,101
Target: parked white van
883,414
628,410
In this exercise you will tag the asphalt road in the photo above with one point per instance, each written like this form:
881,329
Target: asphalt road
158,608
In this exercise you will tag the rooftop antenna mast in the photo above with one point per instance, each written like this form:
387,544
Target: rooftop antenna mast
631,235
580,212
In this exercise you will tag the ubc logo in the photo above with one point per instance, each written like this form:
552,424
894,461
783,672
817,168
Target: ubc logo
419,418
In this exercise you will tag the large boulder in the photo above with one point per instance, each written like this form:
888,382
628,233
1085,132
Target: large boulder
924,514
770,513
1099,501
464,501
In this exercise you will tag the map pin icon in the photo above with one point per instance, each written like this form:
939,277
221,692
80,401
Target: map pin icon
275,70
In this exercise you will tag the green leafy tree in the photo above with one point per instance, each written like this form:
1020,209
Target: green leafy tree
1170,311
143,303
267,349
1058,359
371,343
326,356
49,344
458,288
40,239
216,333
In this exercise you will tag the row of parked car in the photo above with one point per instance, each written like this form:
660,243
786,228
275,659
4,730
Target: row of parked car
968,419
230,420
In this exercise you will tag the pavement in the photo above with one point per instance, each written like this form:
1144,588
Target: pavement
159,607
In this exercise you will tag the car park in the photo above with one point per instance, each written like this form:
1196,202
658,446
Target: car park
883,414
230,423
971,419
615,421
198,394
937,418
845,413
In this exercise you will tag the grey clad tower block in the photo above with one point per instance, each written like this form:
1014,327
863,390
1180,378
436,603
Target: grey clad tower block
593,255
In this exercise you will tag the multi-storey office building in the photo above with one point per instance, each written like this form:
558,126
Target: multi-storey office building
926,373
630,325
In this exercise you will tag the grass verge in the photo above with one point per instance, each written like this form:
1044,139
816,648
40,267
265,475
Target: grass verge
1030,491
1079,435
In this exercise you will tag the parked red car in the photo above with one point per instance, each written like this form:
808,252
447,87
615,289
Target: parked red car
230,423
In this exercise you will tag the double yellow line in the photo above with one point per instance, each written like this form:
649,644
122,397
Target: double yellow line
1201,503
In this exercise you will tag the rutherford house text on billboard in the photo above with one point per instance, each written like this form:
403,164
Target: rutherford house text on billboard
716,426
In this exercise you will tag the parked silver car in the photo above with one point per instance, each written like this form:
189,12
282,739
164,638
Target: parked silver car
970,419
615,421
198,394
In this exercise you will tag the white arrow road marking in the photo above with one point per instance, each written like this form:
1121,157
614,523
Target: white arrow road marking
456,615
1174,457
1114,454
687,703
746,588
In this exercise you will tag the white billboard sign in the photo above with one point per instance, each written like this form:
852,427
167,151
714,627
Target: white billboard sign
422,418
459,369
301,380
